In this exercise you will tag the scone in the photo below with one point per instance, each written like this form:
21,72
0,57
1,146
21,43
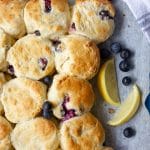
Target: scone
6,41
70,96
35,134
77,56
93,18
2,81
11,17
32,57
82,133
22,99
5,130
50,17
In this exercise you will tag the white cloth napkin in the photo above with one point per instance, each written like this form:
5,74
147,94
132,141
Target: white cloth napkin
141,10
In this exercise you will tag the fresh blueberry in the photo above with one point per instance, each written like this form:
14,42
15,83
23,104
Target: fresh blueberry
47,80
129,132
125,54
126,81
47,6
37,32
105,53
42,63
47,114
56,45
104,14
47,105
147,103
115,47
124,66
11,69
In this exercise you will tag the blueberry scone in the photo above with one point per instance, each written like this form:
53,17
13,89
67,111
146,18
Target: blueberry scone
35,134
32,57
5,130
50,17
11,17
76,55
70,96
82,133
22,99
6,41
93,18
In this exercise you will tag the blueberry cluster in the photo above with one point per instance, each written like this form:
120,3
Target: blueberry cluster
125,54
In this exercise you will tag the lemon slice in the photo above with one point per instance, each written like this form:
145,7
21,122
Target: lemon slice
127,109
107,83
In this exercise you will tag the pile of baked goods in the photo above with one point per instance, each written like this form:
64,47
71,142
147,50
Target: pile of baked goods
37,39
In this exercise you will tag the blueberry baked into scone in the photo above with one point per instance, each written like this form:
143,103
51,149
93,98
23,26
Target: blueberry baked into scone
49,50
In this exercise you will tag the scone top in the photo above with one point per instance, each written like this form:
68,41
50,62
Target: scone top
93,19
76,55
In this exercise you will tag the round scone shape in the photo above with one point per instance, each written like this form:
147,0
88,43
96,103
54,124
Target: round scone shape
50,17
5,130
11,17
76,55
70,96
22,99
31,57
93,18
6,41
38,133
83,132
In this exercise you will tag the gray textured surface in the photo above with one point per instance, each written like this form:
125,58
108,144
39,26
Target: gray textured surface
130,36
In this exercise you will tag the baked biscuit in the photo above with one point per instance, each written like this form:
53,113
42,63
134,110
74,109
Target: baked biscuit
11,17
50,17
5,130
35,134
70,96
82,133
77,56
93,18
31,57
6,41
2,81
22,99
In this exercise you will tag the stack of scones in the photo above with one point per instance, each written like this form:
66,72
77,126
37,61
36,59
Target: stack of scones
48,52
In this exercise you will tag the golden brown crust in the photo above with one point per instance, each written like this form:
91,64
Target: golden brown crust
51,24
84,132
78,56
88,21
24,56
80,93
11,17
38,133
22,99
5,130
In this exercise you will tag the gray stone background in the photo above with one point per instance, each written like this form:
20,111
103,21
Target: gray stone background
129,34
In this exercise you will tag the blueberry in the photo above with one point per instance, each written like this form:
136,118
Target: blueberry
56,44
104,14
105,53
47,80
124,66
125,54
42,63
47,6
47,106
37,32
47,114
73,26
126,81
11,69
129,132
115,47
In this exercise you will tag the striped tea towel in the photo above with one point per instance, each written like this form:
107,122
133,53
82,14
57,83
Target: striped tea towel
141,10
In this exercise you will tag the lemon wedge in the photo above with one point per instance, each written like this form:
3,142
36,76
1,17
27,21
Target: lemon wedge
127,109
107,83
